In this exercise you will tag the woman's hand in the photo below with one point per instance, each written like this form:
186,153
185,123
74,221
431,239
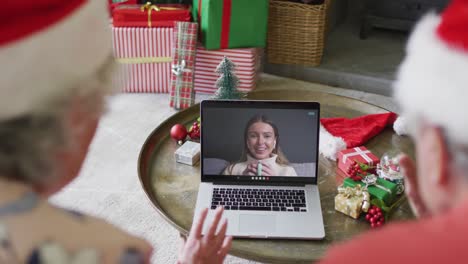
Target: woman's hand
211,248
252,168
411,186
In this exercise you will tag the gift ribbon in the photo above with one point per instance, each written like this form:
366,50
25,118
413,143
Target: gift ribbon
349,192
144,60
225,22
148,7
359,152
371,180
178,70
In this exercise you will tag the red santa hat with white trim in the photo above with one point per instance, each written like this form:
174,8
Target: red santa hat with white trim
339,133
47,46
432,81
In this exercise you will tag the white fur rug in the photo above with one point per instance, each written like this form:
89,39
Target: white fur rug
108,186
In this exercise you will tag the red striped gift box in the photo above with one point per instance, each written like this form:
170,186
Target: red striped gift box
247,63
145,55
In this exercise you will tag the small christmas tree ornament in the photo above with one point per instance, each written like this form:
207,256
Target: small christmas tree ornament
227,82
179,133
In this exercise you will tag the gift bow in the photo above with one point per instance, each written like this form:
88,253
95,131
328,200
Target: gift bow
148,7
371,180
178,70
350,192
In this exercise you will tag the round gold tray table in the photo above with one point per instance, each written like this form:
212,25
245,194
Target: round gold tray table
172,187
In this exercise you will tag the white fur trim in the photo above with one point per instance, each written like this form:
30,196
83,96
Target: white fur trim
329,145
400,126
49,62
432,81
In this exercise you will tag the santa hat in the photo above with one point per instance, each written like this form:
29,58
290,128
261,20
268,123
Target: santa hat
341,133
46,47
432,81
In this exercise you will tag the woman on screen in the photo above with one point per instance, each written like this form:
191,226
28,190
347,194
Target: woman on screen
262,155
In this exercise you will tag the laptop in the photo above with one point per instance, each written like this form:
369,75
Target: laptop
259,160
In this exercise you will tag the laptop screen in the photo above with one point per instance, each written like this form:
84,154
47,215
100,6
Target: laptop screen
259,141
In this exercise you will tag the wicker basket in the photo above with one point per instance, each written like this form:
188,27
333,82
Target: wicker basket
296,32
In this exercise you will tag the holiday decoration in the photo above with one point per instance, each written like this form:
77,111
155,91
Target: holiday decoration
143,69
377,187
389,169
361,157
352,201
194,131
340,133
375,216
387,210
231,24
357,171
227,82
188,153
178,132
185,40
248,68
400,126
149,15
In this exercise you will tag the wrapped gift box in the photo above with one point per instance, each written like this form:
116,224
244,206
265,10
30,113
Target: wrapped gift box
149,15
185,47
232,23
383,189
145,56
359,154
351,201
247,63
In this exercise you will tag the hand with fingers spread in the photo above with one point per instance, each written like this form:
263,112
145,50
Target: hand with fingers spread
210,248
411,187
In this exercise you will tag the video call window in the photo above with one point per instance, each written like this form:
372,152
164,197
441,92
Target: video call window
260,142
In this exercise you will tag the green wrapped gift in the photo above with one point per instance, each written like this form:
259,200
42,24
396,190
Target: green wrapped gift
382,189
231,23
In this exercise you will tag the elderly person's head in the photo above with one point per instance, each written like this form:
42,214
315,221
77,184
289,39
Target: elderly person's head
432,88
55,66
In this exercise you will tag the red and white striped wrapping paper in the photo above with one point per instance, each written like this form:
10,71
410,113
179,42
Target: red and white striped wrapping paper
145,55
247,63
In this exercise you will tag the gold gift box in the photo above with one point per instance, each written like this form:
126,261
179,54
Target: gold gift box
352,201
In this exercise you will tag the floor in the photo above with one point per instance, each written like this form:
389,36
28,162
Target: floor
108,185
349,62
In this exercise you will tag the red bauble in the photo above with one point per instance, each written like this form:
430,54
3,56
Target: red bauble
178,132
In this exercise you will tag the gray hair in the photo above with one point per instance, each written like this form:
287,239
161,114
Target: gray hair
28,142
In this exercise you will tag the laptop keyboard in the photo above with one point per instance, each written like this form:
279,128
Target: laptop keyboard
259,199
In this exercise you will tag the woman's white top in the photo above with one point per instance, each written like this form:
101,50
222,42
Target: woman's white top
280,170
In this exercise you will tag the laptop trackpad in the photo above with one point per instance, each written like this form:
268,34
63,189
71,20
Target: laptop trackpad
253,224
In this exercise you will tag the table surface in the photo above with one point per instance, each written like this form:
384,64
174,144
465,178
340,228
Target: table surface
172,187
